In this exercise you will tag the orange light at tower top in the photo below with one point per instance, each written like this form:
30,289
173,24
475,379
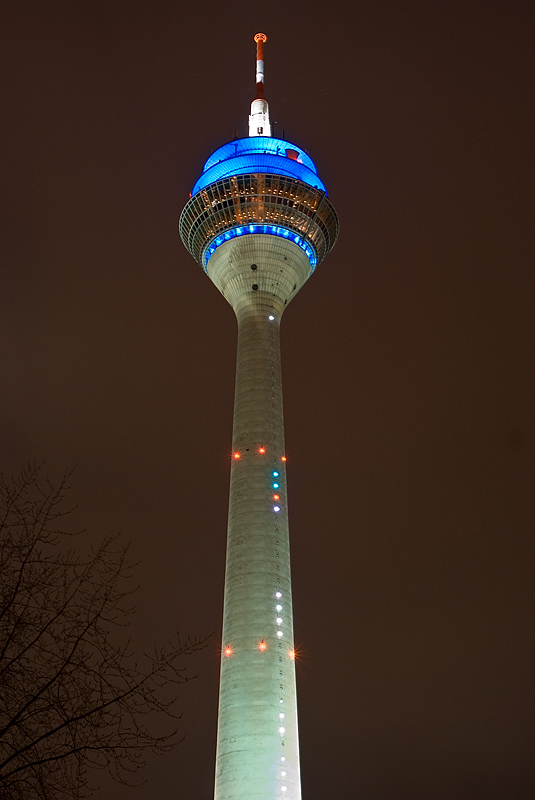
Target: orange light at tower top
260,38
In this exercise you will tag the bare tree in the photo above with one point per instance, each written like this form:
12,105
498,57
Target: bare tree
71,696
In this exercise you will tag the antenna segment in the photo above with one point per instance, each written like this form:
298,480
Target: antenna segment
260,38
259,124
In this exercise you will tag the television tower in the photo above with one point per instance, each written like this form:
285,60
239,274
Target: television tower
258,222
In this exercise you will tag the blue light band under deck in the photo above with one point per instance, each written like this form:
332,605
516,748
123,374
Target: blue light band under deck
272,230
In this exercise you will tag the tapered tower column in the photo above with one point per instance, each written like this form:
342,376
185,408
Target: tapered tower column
258,222
257,750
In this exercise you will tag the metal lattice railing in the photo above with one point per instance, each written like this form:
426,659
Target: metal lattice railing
253,199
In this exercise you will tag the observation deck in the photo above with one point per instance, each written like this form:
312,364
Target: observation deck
259,185
259,154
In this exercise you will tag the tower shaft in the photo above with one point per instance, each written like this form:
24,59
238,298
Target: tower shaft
257,749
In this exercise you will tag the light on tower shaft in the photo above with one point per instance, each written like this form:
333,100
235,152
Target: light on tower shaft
258,251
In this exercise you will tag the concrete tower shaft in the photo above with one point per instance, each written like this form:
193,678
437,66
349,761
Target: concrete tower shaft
257,747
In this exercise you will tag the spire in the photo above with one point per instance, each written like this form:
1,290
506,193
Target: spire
260,38
259,116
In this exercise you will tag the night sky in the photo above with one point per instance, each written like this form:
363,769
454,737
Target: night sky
407,359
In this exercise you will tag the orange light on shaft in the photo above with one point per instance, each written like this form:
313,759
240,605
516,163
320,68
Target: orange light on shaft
291,654
262,645
283,458
276,497
228,651
236,455
262,450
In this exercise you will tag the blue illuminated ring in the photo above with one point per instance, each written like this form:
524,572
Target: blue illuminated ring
272,230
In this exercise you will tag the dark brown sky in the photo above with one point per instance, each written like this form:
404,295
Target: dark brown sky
408,358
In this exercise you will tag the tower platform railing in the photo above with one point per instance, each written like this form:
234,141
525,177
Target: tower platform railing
258,199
